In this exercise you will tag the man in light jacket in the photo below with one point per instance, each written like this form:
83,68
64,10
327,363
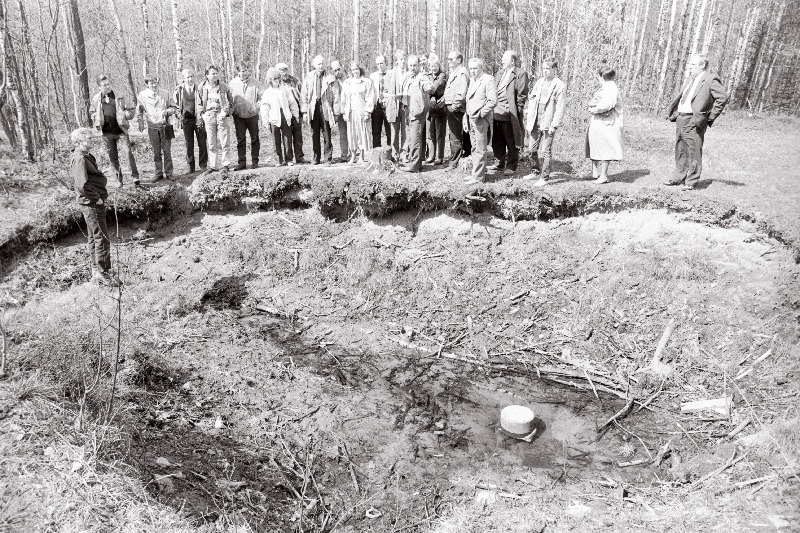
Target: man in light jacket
455,96
695,109
156,107
398,125
481,100
385,111
110,115
316,100
419,87
246,93
545,112
192,125
512,92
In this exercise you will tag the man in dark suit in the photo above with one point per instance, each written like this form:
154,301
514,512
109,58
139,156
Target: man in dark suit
512,92
419,87
698,105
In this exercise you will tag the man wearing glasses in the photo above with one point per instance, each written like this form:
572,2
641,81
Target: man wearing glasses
455,95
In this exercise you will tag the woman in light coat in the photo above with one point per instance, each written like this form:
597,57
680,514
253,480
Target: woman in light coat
604,138
358,101
278,108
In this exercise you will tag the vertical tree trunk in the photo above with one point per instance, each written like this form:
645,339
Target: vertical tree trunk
262,34
210,41
699,27
77,44
313,36
176,32
772,54
356,28
742,46
129,85
435,24
230,38
709,33
14,88
663,76
40,126
638,65
146,27
223,37
393,40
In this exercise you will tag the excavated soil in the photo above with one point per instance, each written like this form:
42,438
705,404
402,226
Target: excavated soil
359,367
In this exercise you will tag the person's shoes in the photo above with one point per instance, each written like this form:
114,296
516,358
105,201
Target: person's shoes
541,183
301,161
155,179
136,180
254,165
406,168
429,161
509,172
290,163
673,183
191,170
315,162
687,188
281,164
438,162
208,170
601,180
240,167
496,166
352,159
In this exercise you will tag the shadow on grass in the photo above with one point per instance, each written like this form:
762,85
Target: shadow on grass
629,176
705,184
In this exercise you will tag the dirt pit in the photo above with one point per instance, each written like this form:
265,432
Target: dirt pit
352,374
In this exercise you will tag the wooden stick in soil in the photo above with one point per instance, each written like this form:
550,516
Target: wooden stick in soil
621,413
2,346
662,344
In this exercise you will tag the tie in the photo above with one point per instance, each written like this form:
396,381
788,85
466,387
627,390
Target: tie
686,92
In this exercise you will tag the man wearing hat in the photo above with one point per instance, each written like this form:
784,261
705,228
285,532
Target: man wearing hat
292,87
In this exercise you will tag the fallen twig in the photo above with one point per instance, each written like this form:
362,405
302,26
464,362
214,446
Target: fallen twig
732,461
345,245
621,413
655,362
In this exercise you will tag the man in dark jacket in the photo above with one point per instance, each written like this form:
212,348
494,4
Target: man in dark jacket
512,92
437,115
110,115
91,194
693,110
191,124
293,85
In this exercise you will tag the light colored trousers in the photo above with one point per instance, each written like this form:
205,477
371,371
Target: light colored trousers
218,128
479,137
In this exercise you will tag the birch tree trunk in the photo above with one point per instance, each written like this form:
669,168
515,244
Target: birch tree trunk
123,50
313,35
663,76
435,25
638,65
262,35
72,20
176,32
230,38
393,40
356,28
146,25
223,37
699,27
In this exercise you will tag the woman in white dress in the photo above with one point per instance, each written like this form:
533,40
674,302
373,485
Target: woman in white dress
358,101
604,138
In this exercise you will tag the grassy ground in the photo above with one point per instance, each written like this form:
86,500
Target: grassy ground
283,371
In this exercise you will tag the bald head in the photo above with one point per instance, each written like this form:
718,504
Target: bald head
319,64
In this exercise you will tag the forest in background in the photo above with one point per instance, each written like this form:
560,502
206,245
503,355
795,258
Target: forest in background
53,49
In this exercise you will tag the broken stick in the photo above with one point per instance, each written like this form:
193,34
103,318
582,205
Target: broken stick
662,344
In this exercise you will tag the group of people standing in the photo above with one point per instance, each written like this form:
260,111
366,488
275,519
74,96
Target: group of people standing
411,103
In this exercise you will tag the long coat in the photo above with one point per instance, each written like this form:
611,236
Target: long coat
604,138
308,96
516,88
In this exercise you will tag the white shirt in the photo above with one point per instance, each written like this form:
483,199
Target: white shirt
686,106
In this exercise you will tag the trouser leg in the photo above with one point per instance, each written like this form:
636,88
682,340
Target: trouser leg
499,144
341,124
240,127
255,140
430,139
277,134
98,245
188,137
681,151
210,121
416,142
155,142
297,138
166,148
378,121
439,127
546,151
286,133
693,137
224,136
455,127
110,140
128,145
202,148
479,133
316,130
